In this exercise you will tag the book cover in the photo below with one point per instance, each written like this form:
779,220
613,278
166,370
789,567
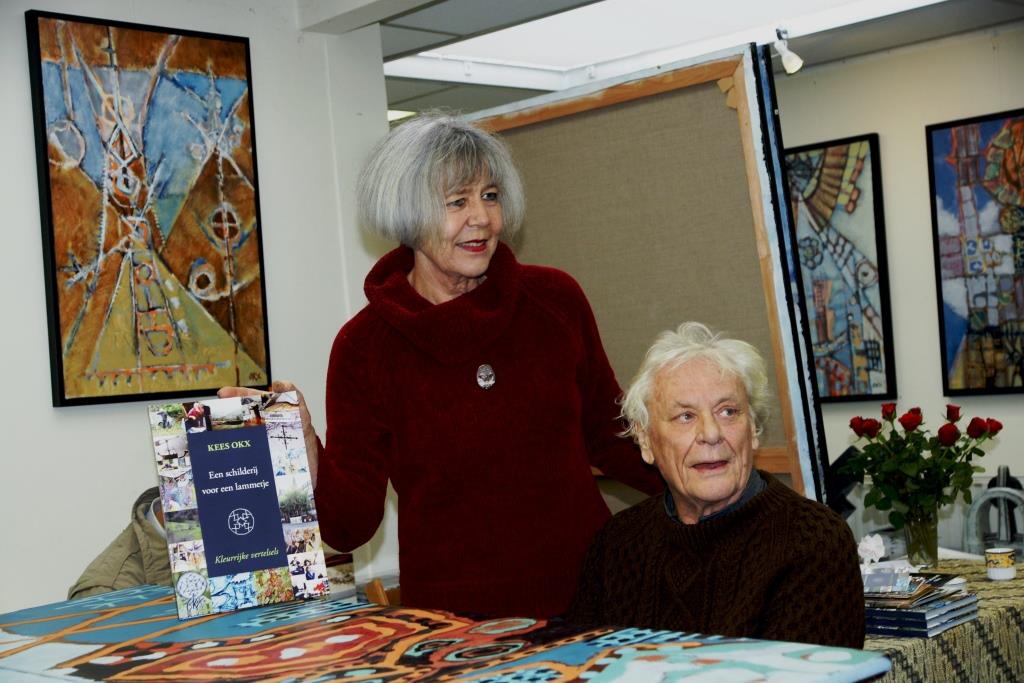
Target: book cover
939,579
238,503
920,593
925,614
904,631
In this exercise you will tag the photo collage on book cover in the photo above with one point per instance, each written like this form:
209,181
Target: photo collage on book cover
305,573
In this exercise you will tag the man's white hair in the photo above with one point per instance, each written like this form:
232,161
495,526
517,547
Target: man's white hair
690,341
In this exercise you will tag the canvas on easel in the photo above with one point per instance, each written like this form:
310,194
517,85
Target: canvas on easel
659,191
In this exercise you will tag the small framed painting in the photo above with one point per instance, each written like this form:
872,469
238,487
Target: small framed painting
835,192
976,181
146,158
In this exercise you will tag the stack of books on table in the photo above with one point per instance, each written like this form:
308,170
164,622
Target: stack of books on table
926,608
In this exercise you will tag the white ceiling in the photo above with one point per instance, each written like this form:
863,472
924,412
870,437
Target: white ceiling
475,54
449,21
613,29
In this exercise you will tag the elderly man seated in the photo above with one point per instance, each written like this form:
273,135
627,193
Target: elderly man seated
727,550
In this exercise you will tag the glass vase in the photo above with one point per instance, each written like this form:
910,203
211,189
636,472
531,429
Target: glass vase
922,533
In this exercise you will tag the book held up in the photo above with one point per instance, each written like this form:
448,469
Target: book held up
238,503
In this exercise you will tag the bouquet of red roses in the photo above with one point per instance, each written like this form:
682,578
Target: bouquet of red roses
912,471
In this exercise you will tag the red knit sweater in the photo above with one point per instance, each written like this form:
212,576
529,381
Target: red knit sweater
496,501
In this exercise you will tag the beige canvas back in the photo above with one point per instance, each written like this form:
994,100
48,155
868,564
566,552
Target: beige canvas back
646,204
651,192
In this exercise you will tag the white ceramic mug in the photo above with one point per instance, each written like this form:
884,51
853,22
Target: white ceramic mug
999,564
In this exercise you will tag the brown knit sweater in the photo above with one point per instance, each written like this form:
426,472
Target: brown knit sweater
779,568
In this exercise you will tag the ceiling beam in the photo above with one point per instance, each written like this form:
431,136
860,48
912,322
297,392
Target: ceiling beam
342,16
476,71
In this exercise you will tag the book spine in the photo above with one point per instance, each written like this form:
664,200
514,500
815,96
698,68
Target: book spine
899,623
920,631
932,613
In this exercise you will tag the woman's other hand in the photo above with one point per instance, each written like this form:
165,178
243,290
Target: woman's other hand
308,432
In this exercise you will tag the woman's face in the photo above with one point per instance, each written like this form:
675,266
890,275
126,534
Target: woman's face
701,436
457,259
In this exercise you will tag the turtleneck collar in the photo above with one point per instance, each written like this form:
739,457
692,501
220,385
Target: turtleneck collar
454,331
755,484
697,536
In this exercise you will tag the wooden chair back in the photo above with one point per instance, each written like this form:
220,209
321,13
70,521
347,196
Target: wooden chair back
379,595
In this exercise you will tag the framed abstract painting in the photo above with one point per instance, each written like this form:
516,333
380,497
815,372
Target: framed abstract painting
149,201
976,178
835,192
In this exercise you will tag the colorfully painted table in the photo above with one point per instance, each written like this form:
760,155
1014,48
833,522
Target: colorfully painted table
134,635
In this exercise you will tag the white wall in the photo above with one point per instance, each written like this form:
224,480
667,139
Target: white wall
355,64
897,93
68,476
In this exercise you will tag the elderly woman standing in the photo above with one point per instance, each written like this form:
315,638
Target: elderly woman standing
477,385
727,550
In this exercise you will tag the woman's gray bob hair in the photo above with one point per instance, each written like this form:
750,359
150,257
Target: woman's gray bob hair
401,191
689,341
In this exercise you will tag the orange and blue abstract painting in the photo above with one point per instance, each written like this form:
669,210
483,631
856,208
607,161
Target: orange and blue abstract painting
976,169
150,212
836,200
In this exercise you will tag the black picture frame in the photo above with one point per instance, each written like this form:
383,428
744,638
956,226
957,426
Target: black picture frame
149,207
838,218
977,211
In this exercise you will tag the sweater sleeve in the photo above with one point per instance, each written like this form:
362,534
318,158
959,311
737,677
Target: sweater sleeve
352,473
616,456
820,599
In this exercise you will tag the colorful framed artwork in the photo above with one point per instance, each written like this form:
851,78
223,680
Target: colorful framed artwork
976,179
835,192
149,201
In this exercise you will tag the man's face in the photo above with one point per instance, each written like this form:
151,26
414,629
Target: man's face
701,436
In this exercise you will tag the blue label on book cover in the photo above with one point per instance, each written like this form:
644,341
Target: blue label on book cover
238,506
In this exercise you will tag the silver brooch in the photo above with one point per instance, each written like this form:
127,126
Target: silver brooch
485,376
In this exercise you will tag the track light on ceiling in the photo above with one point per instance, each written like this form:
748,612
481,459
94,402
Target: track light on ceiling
791,61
